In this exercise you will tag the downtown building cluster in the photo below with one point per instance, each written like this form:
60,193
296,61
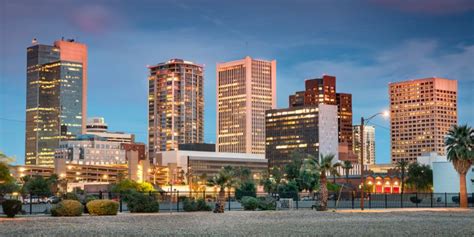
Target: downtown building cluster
250,130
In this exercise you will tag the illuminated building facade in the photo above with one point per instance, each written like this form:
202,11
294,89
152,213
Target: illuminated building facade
55,102
421,113
369,143
323,91
175,105
310,129
97,126
245,90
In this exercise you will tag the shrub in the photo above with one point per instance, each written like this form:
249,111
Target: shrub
247,188
266,203
11,207
190,205
67,208
139,202
249,203
102,207
415,200
70,196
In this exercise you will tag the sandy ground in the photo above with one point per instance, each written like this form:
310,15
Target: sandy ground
395,222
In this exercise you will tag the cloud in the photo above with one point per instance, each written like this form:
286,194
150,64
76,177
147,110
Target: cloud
413,59
437,7
95,19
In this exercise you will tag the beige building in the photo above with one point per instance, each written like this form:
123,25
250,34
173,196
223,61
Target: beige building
421,113
175,105
245,90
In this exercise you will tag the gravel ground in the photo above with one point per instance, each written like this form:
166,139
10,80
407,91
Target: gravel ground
243,223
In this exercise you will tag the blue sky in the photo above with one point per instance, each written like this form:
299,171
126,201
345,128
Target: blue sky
365,44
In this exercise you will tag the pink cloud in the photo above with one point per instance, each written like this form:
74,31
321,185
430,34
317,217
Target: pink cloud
92,19
437,7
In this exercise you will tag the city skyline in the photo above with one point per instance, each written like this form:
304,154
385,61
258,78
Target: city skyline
364,65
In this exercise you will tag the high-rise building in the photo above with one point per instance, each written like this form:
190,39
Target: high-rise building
369,143
311,129
421,113
175,105
55,97
323,91
245,90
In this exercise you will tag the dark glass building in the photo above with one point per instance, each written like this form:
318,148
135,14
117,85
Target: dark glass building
54,103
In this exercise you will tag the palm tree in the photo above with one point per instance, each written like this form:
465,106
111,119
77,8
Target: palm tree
460,151
324,165
402,168
347,166
224,179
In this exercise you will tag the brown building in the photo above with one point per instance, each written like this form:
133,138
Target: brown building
421,113
323,91
175,105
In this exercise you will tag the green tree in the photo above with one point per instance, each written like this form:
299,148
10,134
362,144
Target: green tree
246,188
6,159
224,179
460,151
128,185
37,186
308,178
402,166
271,180
292,170
7,182
325,166
420,177
347,166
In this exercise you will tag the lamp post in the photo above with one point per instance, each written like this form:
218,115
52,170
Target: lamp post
363,121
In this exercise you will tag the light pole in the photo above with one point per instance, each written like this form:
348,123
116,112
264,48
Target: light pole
363,121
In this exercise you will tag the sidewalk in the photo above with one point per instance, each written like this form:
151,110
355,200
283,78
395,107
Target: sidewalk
403,210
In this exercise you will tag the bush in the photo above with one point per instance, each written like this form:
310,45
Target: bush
190,205
249,203
415,200
266,203
67,208
102,207
246,189
70,196
11,207
139,202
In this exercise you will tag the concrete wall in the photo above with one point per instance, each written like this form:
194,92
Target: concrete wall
446,179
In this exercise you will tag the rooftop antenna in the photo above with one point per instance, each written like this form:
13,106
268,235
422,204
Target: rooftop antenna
34,41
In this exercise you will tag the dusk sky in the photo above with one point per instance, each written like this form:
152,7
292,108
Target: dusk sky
365,44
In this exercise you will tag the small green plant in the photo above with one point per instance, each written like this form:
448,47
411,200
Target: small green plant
190,205
139,202
102,207
67,208
266,203
249,203
11,207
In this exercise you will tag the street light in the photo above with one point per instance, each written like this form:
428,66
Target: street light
363,121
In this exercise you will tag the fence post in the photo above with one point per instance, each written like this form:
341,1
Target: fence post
297,198
110,195
431,199
352,194
177,201
228,197
445,199
204,195
120,202
31,203
335,199
459,195
370,201
416,197
100,194
401,200
385,200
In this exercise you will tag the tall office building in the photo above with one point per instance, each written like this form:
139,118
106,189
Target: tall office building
369,143
245,90
311,129
175,105
56,97
323,91
421,113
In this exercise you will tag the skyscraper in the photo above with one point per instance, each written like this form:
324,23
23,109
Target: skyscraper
421,113
245,90
369,143
311,129
323,91
175,105
56,97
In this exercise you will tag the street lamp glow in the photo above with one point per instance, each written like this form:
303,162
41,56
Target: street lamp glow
386,114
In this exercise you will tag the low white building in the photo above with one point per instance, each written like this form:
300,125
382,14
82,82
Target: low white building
445,177
97,126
